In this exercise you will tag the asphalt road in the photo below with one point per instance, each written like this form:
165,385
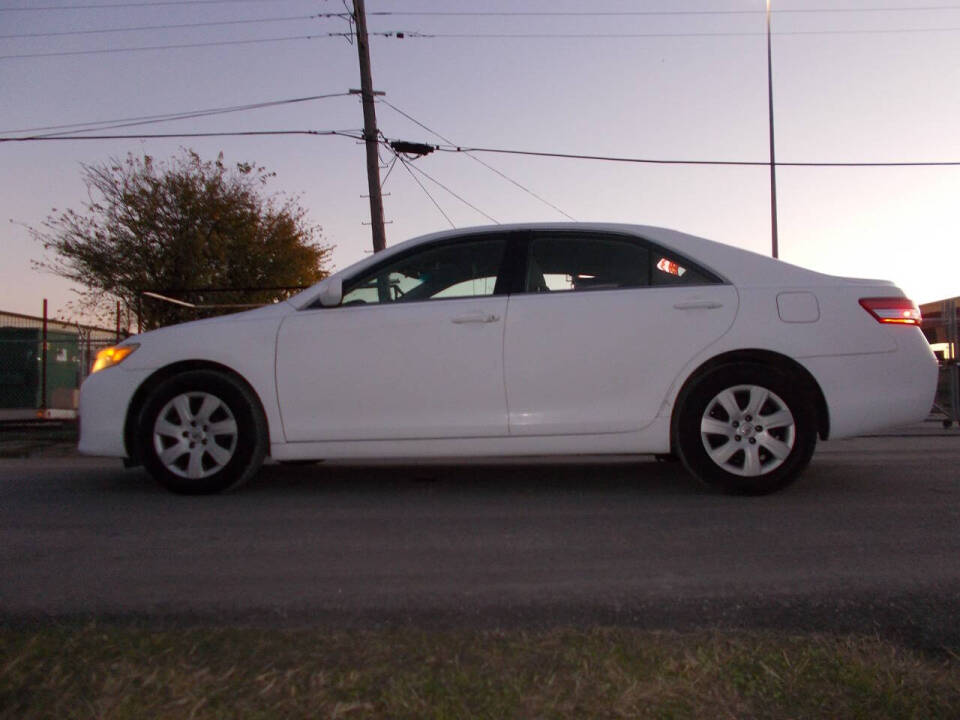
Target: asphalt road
867,541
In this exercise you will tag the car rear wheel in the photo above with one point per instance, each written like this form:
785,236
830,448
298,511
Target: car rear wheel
745,429
202,432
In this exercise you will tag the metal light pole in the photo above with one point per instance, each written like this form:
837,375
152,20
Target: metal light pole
773,160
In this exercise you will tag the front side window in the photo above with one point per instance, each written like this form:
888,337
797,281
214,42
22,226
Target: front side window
465,269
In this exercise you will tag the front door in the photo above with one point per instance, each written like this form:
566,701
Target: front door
414,351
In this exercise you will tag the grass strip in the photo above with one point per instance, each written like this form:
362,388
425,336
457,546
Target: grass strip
108,671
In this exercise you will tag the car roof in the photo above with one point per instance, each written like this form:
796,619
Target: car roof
735,265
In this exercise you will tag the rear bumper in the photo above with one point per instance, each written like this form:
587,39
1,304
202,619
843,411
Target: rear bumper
874,391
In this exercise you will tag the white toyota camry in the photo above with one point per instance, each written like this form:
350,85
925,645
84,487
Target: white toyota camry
523,340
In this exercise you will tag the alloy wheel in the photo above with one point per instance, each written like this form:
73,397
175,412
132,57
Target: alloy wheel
748,430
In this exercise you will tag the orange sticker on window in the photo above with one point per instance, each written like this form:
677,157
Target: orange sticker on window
670,267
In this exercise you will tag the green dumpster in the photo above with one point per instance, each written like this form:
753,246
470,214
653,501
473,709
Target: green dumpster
21,353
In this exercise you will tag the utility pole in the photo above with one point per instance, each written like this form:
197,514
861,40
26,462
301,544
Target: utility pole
370,134
773,158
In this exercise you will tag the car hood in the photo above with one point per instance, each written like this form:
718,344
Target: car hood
198,330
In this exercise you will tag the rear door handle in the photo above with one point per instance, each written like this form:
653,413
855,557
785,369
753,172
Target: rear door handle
702,305
477,317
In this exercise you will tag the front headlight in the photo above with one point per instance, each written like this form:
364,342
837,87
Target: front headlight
108,357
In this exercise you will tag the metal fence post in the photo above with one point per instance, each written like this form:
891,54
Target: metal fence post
43,359
950,317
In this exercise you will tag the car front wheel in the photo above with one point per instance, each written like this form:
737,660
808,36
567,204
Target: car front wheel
745,429
202,432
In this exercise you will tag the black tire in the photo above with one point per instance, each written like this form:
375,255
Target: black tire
202,432
719,430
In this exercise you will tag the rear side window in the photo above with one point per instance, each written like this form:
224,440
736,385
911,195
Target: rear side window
596,262
668,270
585,263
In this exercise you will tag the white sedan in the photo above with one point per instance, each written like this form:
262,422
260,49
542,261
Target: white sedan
523,340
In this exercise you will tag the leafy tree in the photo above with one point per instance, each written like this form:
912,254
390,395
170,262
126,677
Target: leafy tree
178,227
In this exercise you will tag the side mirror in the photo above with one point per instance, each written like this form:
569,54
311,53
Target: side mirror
332,293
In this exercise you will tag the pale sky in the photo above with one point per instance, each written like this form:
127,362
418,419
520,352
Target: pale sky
878,85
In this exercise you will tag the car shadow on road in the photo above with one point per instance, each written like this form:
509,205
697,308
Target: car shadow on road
637,478
646,477
634,478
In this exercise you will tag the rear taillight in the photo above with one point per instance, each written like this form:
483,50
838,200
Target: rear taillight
892,310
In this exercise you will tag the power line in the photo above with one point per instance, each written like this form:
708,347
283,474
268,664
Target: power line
409,165
876,31
354,135
414,34
476,159
405,34
440,13
386,177
406,166
357,135
160,136
654,13
172,47
652,161
106,6
186,115
161,27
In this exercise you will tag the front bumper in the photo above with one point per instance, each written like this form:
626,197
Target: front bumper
104,401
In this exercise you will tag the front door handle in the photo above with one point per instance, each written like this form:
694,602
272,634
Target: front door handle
476,317
702,305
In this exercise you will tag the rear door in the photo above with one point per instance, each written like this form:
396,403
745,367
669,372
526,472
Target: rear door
601,330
